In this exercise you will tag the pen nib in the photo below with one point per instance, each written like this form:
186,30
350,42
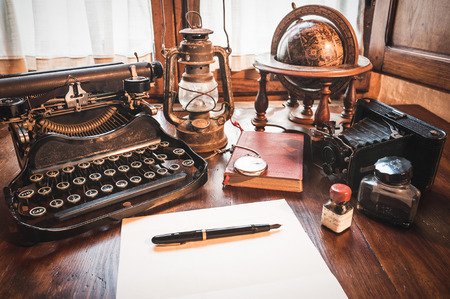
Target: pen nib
274,226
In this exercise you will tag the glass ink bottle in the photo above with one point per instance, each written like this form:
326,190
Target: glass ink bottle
387,194
337,213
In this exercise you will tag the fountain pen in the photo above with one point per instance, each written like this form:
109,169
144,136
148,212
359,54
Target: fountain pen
206,234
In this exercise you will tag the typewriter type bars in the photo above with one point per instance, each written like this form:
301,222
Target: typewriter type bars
105,122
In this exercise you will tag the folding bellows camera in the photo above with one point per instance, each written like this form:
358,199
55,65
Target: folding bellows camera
378,130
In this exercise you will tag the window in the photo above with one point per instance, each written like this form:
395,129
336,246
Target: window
48,34
410,39
43,34
250,25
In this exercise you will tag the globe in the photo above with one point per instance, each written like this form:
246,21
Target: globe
311,43
314,54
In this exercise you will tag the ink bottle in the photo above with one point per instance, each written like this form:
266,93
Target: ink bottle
387,194
337,213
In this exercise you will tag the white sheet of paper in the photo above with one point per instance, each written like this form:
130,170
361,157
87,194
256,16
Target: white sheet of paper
282,263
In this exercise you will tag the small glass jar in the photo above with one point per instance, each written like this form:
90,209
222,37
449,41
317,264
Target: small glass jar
387,195
337,213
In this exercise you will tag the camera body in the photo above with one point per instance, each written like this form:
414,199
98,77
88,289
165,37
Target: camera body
378,130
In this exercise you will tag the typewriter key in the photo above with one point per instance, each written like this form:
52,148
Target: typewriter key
149,161
113,158
84,165
95,176
26,194
136,164
98,162
37,211
68,169
121,183
153,147
127,154
91,193
79,180
124,168
149,175
56,203
110,172
188,163
36,178
162,171
161,157
62,185
164,144
73,198
52,173
135,179
107,188
179,152
44,190
174,167
140,151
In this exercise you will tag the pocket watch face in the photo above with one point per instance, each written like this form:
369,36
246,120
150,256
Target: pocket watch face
250,165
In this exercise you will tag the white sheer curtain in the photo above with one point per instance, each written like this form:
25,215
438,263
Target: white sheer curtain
45,34
251,23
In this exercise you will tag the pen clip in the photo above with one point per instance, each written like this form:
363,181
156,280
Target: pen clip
170,244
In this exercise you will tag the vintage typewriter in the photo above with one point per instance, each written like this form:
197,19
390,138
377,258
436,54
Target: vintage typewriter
90,158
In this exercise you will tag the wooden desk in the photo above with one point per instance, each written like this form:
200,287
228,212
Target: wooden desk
370,260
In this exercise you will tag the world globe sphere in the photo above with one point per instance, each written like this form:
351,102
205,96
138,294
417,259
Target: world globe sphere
310,43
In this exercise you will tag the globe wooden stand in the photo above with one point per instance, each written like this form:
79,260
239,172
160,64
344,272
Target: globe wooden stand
303,114
266,64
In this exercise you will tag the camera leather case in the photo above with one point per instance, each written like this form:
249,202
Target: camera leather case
378,130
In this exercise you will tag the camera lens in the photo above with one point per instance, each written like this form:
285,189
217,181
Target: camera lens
328,155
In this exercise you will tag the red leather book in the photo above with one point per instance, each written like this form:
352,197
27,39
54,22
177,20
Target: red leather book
283,153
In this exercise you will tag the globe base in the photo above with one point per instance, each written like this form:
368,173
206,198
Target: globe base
300,117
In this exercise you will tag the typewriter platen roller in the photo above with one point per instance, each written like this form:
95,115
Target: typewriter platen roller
90,158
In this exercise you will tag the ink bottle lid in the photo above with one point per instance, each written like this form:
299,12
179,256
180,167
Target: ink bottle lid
340,193
393,170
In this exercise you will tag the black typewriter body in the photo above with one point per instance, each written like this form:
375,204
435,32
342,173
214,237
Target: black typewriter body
89,162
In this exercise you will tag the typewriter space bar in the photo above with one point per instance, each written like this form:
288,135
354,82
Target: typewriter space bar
118,197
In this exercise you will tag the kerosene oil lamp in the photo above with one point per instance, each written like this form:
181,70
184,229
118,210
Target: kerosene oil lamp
203,126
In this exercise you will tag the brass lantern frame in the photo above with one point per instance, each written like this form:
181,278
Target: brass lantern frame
201,131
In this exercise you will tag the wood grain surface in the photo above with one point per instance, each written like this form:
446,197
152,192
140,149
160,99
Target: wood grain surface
370,260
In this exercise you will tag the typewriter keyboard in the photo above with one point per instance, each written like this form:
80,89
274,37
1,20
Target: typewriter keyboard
83,187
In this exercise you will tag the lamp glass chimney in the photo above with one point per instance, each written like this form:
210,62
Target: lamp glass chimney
198,96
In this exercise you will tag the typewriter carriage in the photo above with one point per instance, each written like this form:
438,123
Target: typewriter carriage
54,101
